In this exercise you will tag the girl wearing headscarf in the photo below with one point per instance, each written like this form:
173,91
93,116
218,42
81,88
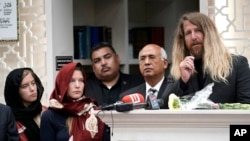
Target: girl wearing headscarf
70,116
22,92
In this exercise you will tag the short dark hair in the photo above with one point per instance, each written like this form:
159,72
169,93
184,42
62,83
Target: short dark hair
101,45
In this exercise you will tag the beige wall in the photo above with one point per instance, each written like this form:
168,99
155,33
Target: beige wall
232,19
30,49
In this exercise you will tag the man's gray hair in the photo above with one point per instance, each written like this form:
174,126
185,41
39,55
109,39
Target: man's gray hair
163,54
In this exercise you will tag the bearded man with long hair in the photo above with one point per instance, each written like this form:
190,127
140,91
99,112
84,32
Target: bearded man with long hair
200,58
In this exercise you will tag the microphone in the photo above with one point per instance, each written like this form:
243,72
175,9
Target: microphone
110,106
135,98
153,103
124,107
129,100
136,101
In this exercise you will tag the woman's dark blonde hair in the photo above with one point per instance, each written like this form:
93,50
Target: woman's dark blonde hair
26,72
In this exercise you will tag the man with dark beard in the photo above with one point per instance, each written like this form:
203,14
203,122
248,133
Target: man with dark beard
107,82
200,58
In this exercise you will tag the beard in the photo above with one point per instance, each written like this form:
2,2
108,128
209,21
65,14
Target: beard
196,51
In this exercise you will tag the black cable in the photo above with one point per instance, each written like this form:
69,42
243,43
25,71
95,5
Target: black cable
112,121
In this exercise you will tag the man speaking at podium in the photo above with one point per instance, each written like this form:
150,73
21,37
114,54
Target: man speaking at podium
153,63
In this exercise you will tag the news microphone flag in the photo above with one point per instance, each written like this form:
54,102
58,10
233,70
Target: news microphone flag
134,98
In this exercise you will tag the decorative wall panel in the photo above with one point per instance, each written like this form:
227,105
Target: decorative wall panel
30,49
232,19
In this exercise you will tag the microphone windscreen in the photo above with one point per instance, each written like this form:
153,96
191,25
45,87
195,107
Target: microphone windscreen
133,98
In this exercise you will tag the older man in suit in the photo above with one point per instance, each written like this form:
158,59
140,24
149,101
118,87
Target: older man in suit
153,64
8,130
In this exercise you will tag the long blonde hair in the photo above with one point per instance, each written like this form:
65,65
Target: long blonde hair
217,60
69,122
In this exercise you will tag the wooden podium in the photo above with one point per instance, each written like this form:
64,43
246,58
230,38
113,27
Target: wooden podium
166,125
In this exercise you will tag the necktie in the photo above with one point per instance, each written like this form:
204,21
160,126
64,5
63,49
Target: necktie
152,91
152,99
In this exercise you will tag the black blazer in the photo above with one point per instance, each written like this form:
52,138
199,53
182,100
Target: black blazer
8,129
93,88
237,89
165,88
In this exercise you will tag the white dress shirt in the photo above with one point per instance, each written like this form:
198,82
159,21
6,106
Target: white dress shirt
156,87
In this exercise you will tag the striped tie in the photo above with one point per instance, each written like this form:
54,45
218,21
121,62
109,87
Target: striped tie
152,91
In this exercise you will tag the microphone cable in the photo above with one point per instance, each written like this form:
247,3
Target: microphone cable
112,123
112,120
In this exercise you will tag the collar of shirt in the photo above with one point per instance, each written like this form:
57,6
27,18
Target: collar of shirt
117,84
157,87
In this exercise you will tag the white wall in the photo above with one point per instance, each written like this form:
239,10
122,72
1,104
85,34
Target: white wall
59,27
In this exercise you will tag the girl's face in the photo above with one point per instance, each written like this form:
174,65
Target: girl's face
28,90
76,85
